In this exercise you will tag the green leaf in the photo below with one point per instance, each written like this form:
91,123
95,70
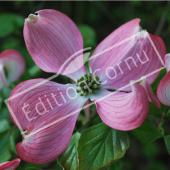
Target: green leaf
136,3
167,114
89,35
100,146
29,166
4,147
150,151
115,166
4,125
69,159
57,167
167,142
147,132
14,135
5,114
10,43
9,23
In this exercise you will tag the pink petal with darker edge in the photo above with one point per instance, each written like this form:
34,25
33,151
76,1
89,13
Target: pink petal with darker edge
52,39
3,78
12,165
14,63
49,127
127,61
167,62
123,111
163,90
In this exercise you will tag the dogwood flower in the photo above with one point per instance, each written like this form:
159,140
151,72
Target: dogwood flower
13,63
163,92
12,165
47,111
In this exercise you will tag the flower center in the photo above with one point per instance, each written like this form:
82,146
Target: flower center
88,84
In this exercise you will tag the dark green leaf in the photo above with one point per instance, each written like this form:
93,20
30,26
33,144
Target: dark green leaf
10,43
150,151
14,135
29,166
4,147
147,132
136,3
167,142
100,146
9,23
115,166
5,114
69,159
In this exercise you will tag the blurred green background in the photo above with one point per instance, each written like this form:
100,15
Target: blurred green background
96,20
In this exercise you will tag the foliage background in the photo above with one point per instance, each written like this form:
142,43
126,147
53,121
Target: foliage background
96,20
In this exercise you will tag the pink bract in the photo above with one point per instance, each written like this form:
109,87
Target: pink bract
51,39
120,55
163,90
117,110
50,142
56,45
12,165
13,62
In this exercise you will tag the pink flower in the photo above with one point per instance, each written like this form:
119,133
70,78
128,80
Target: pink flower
54,42
163,90
13,62
12,165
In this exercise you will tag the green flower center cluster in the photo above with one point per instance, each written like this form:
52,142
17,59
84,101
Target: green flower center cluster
88,84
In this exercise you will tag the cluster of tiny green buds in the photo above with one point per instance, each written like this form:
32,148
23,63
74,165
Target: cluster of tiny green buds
88,84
